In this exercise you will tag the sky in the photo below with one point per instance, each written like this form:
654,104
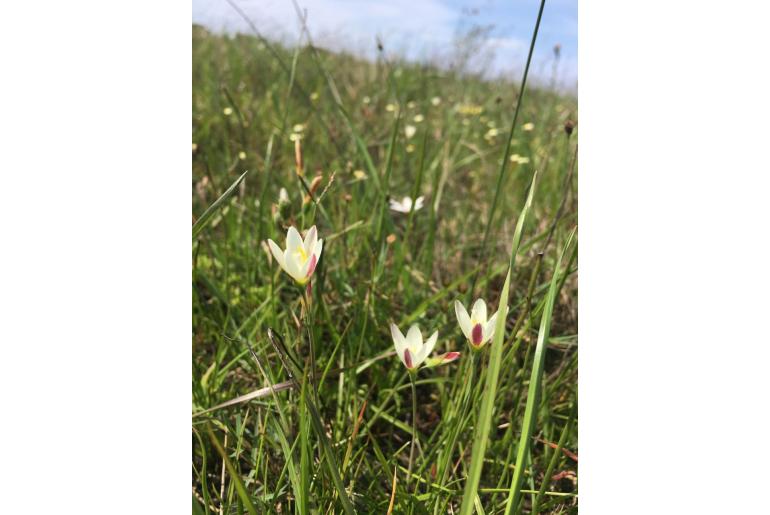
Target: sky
418,29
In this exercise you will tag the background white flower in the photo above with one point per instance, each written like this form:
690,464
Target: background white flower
405,205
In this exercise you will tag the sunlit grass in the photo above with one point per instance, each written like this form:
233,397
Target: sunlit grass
398,166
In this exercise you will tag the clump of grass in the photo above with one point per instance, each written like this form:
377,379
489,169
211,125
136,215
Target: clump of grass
278,429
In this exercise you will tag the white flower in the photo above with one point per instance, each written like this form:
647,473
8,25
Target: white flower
435,101
412,351
409,131
528,126
283,196
418,118
476,328
300,258
405,206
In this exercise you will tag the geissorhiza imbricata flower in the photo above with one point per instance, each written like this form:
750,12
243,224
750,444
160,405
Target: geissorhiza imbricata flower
413,351
300,258
476,327
405,205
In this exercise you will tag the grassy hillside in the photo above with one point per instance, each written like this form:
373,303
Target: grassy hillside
367,133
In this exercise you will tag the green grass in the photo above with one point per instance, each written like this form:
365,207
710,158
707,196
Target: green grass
294,450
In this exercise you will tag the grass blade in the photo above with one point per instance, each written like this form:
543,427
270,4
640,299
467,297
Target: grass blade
554,458
481,435
486,412
205,218
234,474
533,394
315,418
196,507
283,430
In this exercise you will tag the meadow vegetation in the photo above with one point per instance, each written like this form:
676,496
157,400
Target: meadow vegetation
277,428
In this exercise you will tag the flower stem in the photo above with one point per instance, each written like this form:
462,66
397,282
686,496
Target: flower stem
311,343
414,428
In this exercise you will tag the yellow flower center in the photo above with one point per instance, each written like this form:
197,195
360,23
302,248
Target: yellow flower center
302,254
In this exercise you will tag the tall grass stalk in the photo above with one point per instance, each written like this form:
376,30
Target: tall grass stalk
486,412
533,394
414,428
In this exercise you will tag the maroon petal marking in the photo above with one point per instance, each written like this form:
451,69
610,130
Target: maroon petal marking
476,334
451,356
311,268
407,358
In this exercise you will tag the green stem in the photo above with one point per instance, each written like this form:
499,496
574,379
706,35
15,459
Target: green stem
311,343
414,428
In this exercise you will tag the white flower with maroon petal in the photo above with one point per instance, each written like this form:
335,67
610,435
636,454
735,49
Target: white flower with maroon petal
476,327
405,205
413,352
300,258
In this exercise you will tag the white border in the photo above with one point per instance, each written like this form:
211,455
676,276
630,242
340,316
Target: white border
673,256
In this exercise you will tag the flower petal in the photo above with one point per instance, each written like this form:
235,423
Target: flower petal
427,348
293,240
310,265
277,253
395,205
442,359
479,311
463,319
310,238
292,267
399,342
489,329
414,339
317,248
418,203
307,268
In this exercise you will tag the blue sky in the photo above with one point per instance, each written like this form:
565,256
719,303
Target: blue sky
417,29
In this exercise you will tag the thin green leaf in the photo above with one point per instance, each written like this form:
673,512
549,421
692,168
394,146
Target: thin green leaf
315,418
205,218
234,474
533,394
486,412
